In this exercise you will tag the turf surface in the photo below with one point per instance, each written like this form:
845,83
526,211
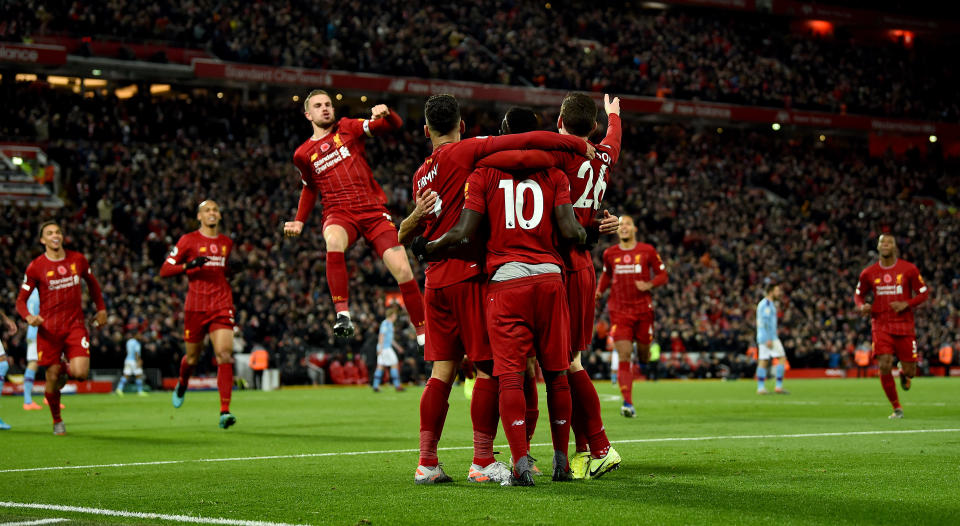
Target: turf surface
702,452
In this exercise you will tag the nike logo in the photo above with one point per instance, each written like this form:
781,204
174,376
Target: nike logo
594,472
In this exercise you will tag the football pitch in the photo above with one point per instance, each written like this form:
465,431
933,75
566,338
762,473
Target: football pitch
699,452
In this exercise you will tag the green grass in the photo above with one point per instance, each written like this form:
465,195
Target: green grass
889,478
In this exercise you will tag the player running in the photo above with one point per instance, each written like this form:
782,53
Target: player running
526,306
454,285
333,165
626,272
202,255
61,331
897,289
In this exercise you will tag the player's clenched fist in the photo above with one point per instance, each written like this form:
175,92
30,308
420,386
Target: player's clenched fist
378,111
292,228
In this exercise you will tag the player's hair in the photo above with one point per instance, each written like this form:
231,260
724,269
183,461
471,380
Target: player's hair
519,119
200,204
45,224
393,310
306,101
579,114
442,113
770,286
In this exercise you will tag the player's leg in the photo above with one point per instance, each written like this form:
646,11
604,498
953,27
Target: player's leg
4,367
52,392
762,365
624,350
532,401
395,259
222,339
885,351
139,382
906,348
779,370
553,353
378,374
337,239
193,345
485,416
29,375
433,414
395,376
121,384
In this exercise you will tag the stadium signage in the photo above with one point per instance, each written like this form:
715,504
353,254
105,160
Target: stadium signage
33,54
207,68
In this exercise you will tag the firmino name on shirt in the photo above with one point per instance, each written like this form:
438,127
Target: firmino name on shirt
330,159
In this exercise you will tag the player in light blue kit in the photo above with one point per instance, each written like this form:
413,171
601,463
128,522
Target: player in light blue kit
767,341
132,366
10,328
386,356
33,306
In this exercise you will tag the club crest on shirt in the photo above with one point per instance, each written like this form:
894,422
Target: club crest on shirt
337,140
899,279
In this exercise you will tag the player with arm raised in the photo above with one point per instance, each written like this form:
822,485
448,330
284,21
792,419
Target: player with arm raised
202,255
454,285
61,330
333,166
897,289
627,269
526,306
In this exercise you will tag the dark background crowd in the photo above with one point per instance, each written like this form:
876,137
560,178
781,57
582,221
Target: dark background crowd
682,53
727,210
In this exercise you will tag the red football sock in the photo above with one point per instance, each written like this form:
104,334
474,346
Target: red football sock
225,385
532,405
338,280
413,301
433,413
53,400
186,371
625,380
890,388
558,406
485,414
586,401
512,414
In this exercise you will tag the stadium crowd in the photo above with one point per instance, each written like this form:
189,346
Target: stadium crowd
680,53
725,210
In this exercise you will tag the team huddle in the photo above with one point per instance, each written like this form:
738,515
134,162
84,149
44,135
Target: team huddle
506,226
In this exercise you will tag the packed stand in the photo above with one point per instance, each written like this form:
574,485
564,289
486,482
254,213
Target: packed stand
726,211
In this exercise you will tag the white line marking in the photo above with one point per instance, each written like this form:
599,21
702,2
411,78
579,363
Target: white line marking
456,448
30,523
139,515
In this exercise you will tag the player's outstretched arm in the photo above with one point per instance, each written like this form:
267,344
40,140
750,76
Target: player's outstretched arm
382,120
518,160
567,222
410,226
96,294
461,232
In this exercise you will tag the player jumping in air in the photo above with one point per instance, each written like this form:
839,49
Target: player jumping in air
61,330
627,268
202,255
897,289
455,284
333,166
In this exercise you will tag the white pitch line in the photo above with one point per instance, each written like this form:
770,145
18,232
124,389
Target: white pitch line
138,515
456,448
31,523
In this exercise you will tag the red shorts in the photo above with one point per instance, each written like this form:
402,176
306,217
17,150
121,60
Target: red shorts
634,327
903,346
525,316
196,324
74,343
581,287
455,322
376,226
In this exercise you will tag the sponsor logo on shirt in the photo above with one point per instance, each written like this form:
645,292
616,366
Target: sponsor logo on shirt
330,159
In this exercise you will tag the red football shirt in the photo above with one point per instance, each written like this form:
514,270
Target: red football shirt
900,282
622,269
445,172
519,213
208,287
60,293
588,182
335,167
